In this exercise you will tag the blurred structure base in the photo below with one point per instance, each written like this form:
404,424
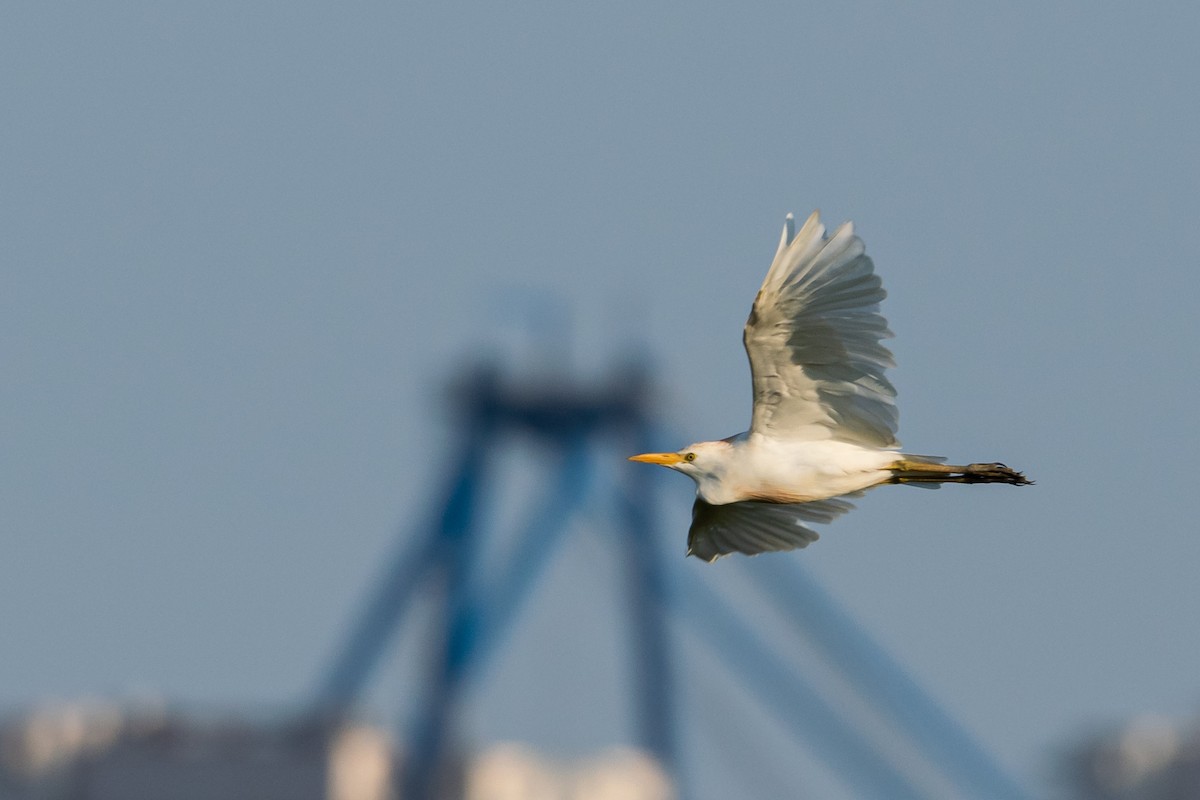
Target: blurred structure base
100,752
1151,758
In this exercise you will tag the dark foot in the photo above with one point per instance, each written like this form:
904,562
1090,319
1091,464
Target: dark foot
994,473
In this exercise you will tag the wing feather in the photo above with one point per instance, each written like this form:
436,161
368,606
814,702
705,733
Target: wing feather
814,342
752,527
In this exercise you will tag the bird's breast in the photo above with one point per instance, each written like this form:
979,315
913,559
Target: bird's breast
795,472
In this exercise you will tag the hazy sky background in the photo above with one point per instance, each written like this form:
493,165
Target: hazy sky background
246,245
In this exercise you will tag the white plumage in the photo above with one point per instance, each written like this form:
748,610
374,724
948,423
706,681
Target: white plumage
824,421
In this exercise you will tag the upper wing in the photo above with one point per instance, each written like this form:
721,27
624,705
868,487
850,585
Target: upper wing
752,527
813,338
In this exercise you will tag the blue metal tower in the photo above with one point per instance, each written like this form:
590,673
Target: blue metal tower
473,615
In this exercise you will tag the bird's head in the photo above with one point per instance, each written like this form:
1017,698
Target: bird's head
696,461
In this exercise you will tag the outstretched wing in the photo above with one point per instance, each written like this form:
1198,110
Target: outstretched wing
813,338
752,527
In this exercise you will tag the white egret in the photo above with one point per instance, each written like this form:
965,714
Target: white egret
824,421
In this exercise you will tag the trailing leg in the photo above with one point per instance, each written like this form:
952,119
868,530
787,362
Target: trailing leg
908,471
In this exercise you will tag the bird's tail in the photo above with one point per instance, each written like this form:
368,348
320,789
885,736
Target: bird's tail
926,471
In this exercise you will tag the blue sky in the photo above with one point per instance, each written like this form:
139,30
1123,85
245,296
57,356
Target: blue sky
246,245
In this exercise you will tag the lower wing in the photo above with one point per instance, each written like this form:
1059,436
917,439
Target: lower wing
753,527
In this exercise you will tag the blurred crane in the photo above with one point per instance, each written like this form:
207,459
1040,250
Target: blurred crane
576,425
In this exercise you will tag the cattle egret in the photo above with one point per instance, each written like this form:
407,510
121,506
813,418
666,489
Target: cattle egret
824,421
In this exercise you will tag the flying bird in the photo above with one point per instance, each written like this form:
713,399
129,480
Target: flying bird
824,421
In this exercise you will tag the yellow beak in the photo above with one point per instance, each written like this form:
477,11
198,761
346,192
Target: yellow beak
666,459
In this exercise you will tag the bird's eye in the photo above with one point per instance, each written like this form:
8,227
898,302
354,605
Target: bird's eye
690,457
